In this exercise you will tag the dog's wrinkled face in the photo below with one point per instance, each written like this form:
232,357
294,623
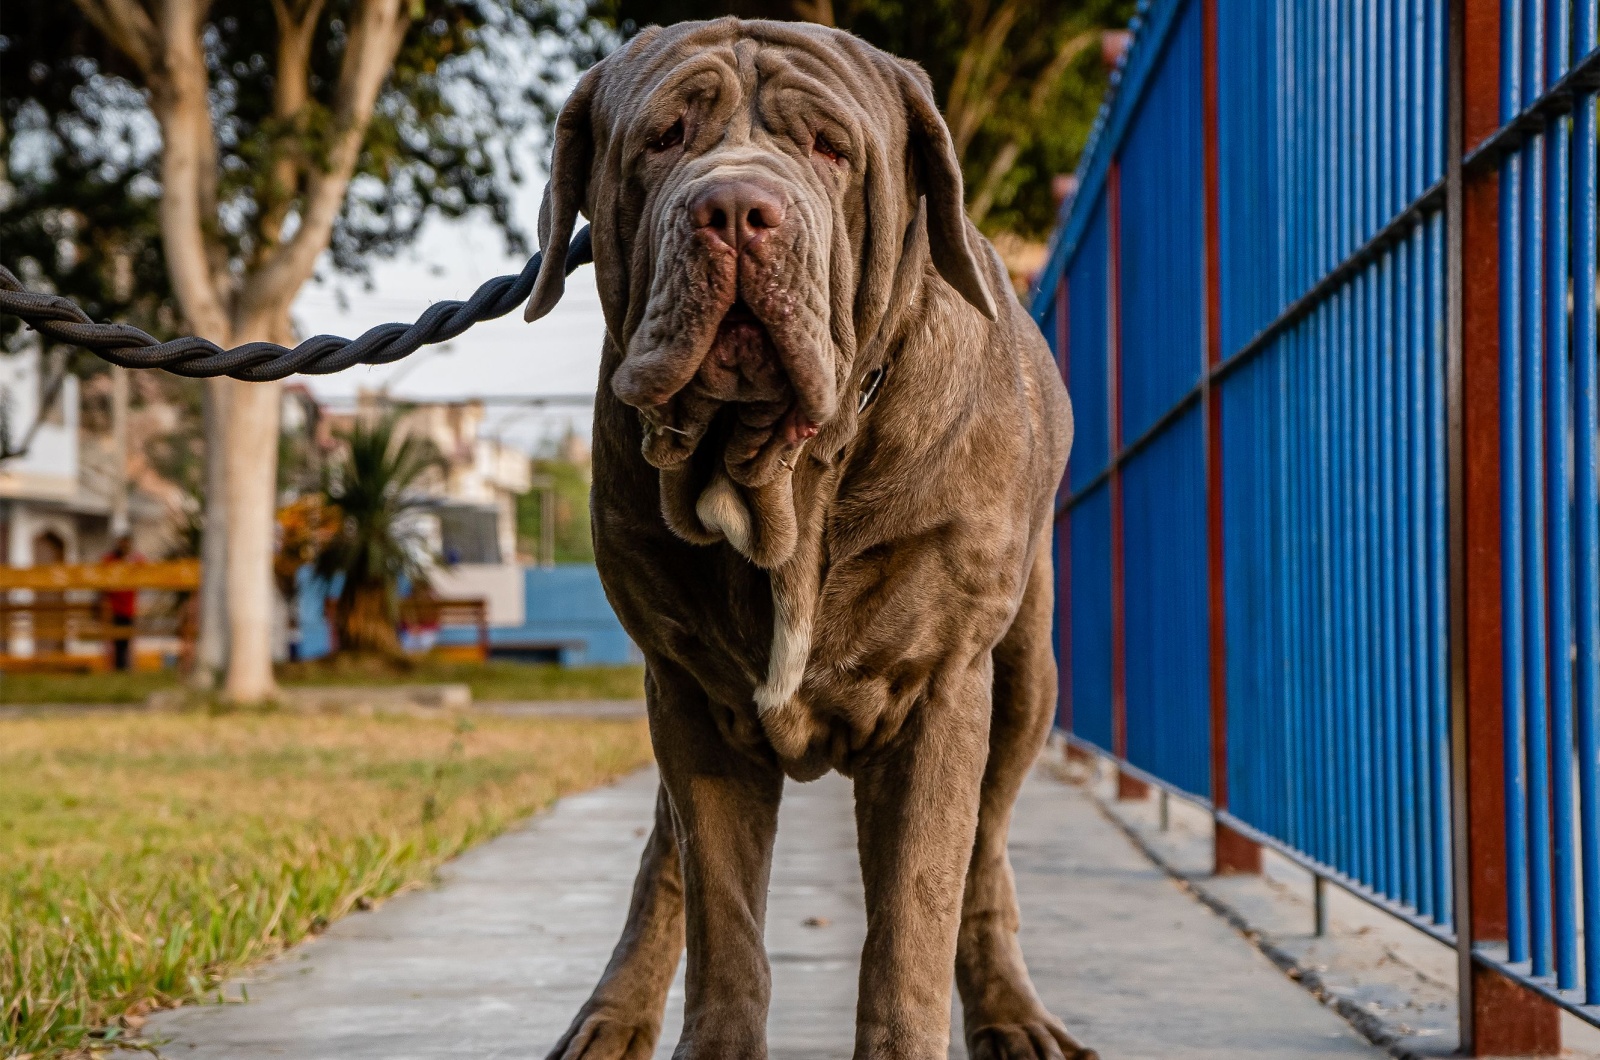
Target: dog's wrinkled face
754,189
744,182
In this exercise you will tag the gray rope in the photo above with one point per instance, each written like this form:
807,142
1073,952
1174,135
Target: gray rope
59,320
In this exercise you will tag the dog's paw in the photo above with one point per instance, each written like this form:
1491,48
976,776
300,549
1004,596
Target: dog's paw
604,1037
1038,1039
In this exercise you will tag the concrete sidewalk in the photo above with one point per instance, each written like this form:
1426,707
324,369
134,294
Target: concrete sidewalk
494,962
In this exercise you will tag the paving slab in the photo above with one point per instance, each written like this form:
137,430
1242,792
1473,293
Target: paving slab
493,961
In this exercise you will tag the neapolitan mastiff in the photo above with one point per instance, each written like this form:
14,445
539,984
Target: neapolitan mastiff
826,445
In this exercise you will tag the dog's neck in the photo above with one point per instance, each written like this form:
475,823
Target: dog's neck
797,582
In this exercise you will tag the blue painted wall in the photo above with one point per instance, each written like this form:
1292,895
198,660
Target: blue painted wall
563,604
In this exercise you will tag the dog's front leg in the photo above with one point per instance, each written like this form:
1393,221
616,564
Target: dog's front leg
725,815
916,813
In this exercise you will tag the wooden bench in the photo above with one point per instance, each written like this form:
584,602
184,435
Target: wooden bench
438,612
58,606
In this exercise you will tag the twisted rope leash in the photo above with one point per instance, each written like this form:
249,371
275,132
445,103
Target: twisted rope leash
57,318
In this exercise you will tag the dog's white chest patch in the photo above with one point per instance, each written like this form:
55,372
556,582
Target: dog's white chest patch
721,508
791,648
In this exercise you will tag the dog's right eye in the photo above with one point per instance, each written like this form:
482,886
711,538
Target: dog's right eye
668,138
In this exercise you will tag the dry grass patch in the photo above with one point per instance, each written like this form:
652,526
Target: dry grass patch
143,858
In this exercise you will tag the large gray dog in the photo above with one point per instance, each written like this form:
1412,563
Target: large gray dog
826,445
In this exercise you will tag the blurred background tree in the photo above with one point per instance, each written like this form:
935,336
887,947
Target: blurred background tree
1020,82
186,165
80,149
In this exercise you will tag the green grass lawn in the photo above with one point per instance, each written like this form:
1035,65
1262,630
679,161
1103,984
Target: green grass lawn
489,681
144,858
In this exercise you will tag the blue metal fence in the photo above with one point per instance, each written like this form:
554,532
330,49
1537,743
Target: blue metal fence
1551,547
1251,296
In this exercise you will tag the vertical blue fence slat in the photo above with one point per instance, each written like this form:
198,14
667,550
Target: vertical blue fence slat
1511,436
1586,493
1557,145
1088,337
1168,672
1091,617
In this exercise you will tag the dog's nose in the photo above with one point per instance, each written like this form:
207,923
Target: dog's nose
737,213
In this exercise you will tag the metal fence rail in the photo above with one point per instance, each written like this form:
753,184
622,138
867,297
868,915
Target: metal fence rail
1277,543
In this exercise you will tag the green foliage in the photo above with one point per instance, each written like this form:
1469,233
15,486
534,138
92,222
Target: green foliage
80,185
573,543
987,59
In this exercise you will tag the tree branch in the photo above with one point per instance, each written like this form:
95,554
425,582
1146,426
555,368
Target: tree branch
169,55
291,91
376,32
127,26
818,11
973,92
1038,99
179,97
47,399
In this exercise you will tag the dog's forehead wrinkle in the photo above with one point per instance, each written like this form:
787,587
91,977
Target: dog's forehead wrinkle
745,56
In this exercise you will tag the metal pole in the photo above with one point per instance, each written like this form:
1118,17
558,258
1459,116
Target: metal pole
547,525
1319,906
1454,115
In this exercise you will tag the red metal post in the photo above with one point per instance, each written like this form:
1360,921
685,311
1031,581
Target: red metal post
1499,1017
1232,853
1128,787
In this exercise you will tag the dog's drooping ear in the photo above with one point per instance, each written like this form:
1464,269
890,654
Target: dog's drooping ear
937,168
564,196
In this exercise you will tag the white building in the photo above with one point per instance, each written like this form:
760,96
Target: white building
46,513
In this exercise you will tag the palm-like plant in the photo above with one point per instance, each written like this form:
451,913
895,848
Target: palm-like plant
378,542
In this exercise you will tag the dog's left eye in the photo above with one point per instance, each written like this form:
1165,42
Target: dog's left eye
669,138
824,147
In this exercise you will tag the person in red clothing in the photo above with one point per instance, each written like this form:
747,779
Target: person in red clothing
123,605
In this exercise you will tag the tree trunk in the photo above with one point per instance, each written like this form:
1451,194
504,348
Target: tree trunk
166,44
211,653
252,469
365,625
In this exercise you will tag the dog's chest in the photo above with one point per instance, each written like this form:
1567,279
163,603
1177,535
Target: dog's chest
850,662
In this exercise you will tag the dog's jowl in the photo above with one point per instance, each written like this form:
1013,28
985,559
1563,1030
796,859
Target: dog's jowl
826,446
